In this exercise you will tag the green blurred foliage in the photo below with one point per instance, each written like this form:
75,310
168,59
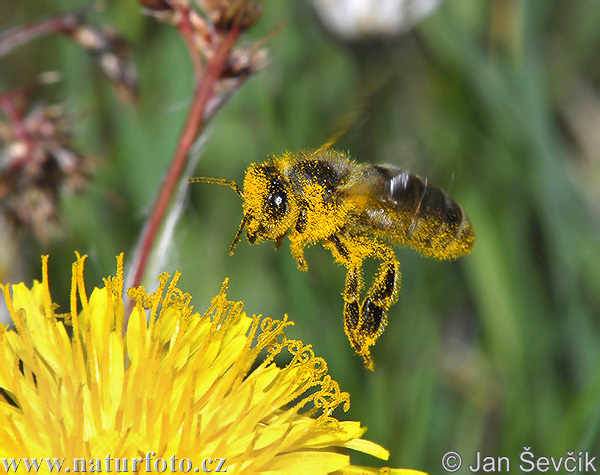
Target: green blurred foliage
494,100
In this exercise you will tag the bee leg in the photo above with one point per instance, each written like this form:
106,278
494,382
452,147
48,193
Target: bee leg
380,297
365,322
353,287
297,248
279,242
351,296
382,294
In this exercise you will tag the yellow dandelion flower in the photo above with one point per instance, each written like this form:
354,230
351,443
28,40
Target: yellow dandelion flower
177,390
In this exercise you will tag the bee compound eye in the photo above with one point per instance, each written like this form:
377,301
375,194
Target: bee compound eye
277,204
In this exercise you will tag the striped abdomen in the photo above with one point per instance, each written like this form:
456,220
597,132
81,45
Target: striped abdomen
427,219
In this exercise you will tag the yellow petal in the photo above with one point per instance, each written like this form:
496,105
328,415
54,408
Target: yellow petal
175,382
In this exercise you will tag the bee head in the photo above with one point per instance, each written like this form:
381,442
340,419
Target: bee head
267,204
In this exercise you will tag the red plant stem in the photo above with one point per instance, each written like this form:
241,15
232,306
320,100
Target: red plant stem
18,128
24,34
186,30
195,121
15,118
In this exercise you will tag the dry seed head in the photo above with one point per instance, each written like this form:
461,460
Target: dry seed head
157,5
112,54
227,14
244,61
38,165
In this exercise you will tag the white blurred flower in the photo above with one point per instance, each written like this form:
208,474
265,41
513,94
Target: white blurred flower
353,19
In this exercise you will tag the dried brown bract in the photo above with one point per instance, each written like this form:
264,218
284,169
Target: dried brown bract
205,30
157,5
37,164
227,14
111,51
102,42
242,63
245,60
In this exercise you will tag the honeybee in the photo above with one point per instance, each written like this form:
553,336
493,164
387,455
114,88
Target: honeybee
355,211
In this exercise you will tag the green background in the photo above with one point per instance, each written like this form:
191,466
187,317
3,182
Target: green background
497,101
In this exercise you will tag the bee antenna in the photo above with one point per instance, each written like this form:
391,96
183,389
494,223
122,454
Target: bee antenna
237,237
217,181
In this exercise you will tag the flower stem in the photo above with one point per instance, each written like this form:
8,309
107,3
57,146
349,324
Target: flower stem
18,127
23,34
197,117
186,31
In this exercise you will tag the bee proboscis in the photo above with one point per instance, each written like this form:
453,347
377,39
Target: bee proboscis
355,211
